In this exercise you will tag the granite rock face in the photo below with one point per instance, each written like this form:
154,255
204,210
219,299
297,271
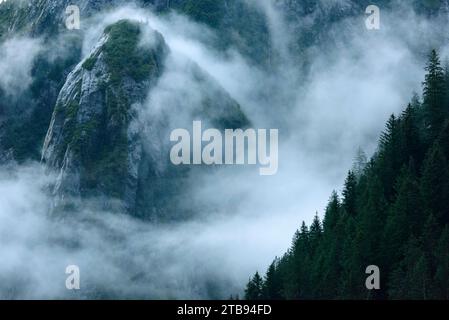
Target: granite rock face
97,142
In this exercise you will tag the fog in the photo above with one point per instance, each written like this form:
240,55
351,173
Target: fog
323,117
16,63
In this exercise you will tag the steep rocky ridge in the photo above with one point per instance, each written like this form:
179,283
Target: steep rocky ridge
95,142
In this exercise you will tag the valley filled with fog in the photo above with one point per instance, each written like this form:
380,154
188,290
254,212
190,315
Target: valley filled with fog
328,98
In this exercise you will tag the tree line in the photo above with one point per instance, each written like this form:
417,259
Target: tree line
393,213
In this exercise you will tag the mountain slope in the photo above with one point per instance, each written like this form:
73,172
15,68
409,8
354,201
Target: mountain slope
394,214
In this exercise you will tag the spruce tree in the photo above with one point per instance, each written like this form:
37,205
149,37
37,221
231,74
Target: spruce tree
405,218
391,156
272,286
435,184
360,163
412,277
349,194
332,213
441,279
410,137
434,94
327,265
443,139
254,288
299,268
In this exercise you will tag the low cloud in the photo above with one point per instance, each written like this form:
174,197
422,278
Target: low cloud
244,220
17,57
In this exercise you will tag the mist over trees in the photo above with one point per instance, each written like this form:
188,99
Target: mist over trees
393,214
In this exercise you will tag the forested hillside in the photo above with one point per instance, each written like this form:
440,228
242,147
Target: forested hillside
393,213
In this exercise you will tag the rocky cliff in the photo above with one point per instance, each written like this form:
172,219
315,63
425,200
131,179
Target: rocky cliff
98,145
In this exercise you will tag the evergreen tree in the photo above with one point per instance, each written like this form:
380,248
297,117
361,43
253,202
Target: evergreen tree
441,279
411,279
373,218
404,219
297,284
360,163
272,286
388,138
435,184
332,214
315,228
443,139
351,263
410,137
434,95
349,194
429,241
391,156
446,83
254,288
328,268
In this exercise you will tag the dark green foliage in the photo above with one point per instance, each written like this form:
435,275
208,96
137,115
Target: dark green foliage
9,21
272,285
435,95
29,116
442,265
435,184
349,193
254,290
90,62
123,55
394,214
237,24
105,153
209,12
